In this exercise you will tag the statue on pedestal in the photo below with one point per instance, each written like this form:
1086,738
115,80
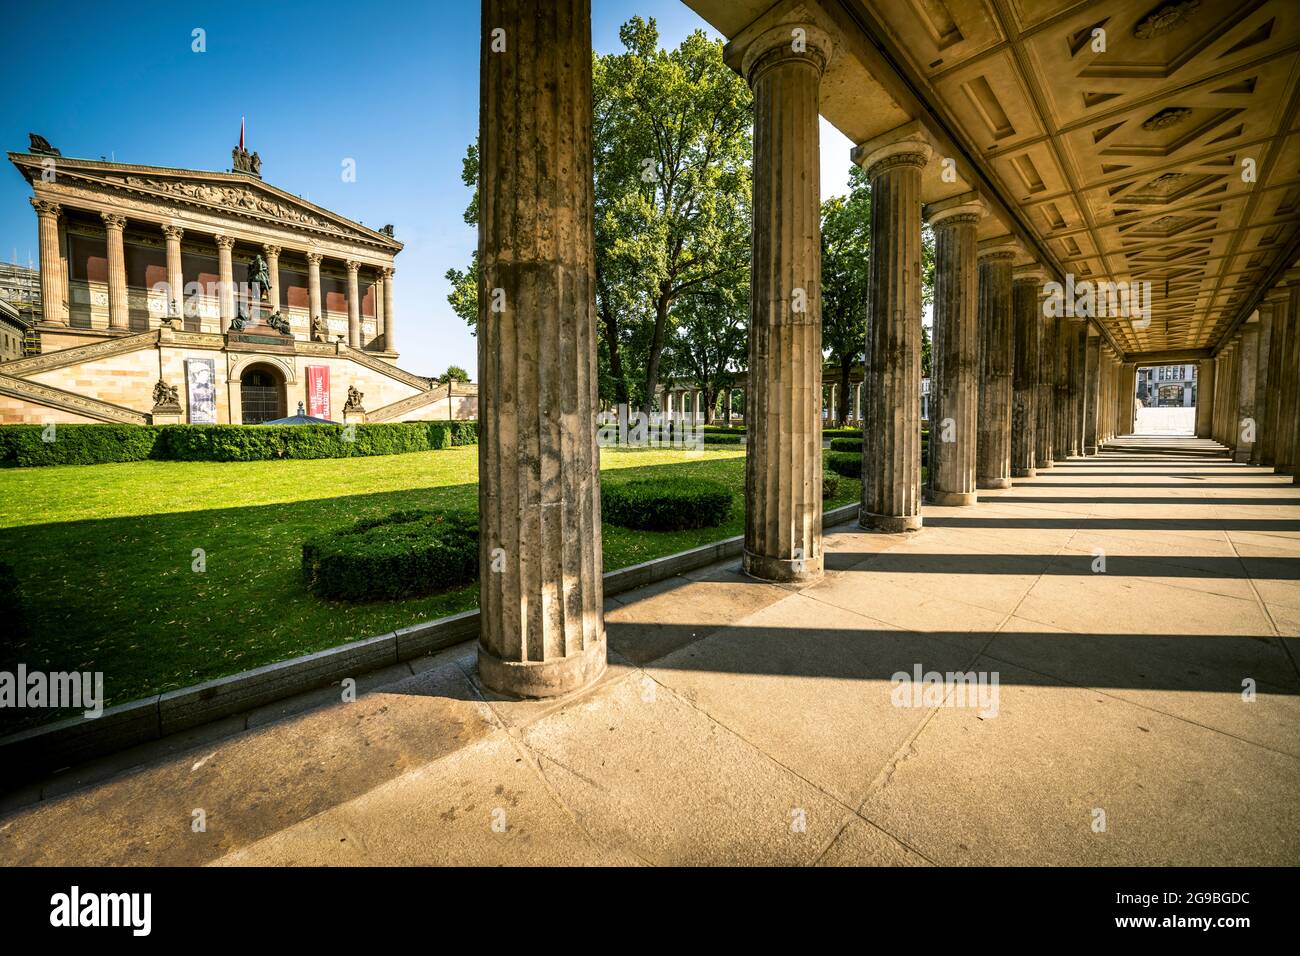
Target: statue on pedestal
354,399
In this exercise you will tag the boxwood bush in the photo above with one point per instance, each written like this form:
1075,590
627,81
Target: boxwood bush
847,444
841,433
830,485
24,445
844,463
665,504
400,555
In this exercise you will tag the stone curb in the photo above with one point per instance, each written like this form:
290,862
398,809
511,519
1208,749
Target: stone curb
74,740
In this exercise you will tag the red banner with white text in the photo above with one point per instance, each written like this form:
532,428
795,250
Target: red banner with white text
318,391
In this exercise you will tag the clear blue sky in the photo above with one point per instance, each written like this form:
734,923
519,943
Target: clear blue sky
392,85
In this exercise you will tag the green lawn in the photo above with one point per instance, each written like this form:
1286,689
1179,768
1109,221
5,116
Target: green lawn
104,555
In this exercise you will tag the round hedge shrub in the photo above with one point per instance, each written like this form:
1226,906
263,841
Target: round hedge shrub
830,486
665,504
400,555
847,444
844,463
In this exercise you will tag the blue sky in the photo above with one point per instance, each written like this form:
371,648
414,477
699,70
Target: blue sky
393,86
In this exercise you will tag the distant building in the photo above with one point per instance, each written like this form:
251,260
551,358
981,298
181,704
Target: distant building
14,332
1167,386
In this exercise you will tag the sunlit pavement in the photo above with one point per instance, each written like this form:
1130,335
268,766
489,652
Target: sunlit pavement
1133,618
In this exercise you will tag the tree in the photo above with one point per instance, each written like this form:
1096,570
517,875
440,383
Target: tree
464,283
846,266
454,373
710,340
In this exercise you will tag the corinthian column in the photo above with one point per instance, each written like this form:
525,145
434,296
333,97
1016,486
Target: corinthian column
226,283
954,373
118,306
996,359
1024,400
783,461
175,273
390,340
354,304
313,289
273,273
47,220
541,629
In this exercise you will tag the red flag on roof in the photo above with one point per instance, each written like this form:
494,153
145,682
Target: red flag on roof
241,132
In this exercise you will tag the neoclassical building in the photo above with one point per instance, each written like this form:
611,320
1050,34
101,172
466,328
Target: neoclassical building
147,284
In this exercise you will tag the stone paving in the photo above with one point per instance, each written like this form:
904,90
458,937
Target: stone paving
748,723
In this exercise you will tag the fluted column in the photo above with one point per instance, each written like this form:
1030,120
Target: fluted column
541,630
1205,398
954,357
997,356
390,334
783,462
1247,425
273,274
377,295
891,460
1061,377
1263,348
313,289
118,306
1027,317
1091,385
175,272
1274,321
47,221
354,304
1289,382
1049,347
226,283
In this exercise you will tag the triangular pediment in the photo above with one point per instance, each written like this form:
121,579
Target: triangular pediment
237,194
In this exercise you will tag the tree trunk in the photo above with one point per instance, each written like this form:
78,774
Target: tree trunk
610,325
708,406
656,347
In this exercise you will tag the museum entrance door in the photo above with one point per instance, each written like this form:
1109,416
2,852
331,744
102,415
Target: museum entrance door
261,396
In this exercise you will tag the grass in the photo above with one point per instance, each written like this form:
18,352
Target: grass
104,555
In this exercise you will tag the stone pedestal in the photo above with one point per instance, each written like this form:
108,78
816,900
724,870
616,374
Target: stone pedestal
891,460
954,372
354,416
783,461
169,414
1024,380
541,630
996,359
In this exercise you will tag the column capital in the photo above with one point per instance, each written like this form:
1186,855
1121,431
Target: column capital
1032,273
910,151
113,220
314,258
224,242
352,265
964,208
387,272
790,42
272,251
173,232
45,207
998,249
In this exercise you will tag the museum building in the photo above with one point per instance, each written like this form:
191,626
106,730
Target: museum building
216,289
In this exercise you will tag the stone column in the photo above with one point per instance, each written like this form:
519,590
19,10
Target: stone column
377,296
1205,398
997,355
1061,372
175,272
891,462
1289,382
313,289
1027,318
541,630
1272,317
1047,361
954,357
273,273
1078,372
354,304
47,221
783,461
1246,424
119,317
1263,348
226,285
390,334
1091,394
1128,399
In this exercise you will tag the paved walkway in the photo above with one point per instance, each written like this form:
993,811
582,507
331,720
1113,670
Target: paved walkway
748,723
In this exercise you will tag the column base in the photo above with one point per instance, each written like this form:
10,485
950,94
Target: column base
1090,451
1284,470
1024,472
1043,466
542,678
952,499
993,484
781,570
889,524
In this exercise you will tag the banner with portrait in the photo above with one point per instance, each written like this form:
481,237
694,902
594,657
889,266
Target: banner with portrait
201,387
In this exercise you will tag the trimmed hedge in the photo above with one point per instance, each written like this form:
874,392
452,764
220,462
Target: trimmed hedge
847,444
400,555
23,445
830,485
723,438
841,433
665,504
844,463
11,605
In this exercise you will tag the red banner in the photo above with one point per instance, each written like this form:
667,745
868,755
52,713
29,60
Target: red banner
318,391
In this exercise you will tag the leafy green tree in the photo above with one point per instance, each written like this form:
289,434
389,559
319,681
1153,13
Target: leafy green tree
846,266
454,373
710,340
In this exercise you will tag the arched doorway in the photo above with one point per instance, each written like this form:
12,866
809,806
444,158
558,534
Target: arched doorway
261,395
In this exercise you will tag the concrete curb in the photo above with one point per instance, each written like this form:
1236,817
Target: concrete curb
74,740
